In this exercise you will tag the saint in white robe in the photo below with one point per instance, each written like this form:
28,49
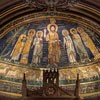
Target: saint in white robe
37,53
68,45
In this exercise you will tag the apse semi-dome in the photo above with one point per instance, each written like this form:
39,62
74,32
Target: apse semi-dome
44,40
50,42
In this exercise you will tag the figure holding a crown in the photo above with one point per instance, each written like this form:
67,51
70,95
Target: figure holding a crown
52,38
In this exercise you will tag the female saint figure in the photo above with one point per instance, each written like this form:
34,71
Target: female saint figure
68,45
79,45
26,49
38,48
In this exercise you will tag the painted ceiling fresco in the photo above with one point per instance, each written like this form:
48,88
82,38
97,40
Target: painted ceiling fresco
50,42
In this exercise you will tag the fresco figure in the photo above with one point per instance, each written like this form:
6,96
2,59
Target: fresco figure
52,38
38,48
15,55
79,45
88,42
27,46
68,46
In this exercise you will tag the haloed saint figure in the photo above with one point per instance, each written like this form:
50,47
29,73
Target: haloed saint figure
68,46
52,38
16,52
79,45
38,48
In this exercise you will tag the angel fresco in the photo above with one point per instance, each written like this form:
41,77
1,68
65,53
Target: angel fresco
88,42
38,46
27,46
79,45
52,38
68,46
16,53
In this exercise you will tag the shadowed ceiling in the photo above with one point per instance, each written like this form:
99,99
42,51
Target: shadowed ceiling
12,9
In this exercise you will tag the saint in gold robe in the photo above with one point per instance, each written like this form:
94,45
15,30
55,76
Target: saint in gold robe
26,49
15,55
88,42
54,51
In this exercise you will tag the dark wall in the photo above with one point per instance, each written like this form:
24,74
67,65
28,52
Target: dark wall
12,98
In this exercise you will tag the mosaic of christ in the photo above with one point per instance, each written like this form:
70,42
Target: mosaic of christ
50,42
